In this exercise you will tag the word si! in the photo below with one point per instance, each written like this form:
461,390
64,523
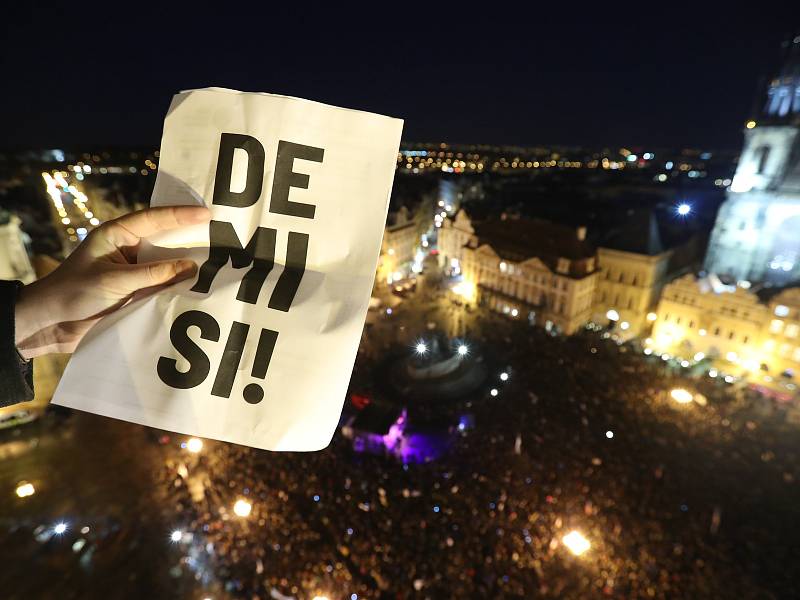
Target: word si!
259,252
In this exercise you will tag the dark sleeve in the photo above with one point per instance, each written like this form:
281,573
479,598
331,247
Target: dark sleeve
16,373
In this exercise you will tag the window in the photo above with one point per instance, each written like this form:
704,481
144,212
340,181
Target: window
762,155
781,311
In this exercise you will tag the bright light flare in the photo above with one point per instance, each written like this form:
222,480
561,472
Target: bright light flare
242,508
194,445
576,542
60,528
683,209
176,536
25,489
420,348
503,376
462,350
612,315
681,396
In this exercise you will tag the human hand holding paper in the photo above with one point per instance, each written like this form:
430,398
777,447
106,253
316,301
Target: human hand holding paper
258,347
100,276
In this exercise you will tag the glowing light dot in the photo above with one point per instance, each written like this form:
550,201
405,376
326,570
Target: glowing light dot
194,445
176,535
65,221
242,508
576,542
612,315
750,124
421,348
94,221
25,489
503,376
684,209
494,392
652,316
462,350
681,396
60,528
609,434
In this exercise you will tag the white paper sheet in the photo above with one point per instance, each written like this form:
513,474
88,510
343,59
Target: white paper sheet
128,366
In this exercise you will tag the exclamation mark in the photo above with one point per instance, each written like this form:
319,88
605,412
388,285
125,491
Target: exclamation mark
253,393
229,364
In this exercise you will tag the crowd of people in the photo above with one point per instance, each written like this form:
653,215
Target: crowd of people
676,500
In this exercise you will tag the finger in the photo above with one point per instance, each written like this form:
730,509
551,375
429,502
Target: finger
147,222
145,275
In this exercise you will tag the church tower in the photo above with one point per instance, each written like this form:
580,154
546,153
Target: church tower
757,233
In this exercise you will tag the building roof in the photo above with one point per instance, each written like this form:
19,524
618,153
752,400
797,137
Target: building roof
639,234
518,240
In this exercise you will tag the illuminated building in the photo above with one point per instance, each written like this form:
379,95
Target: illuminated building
14,260
756,237
400,240
781,340
634,264
526,268
721,322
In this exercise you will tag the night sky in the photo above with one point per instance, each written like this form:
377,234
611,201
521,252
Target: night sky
637,74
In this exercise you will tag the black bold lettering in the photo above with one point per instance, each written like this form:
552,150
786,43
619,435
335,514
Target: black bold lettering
292,275
223,195
199,365
285,179
231,356
225,245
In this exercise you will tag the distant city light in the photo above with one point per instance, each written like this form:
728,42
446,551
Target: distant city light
576,542
421,348
242,508
463,350
25,489
684,209
176,536
494,392
681,396
612,315
503,376
651,316
194,445
60,528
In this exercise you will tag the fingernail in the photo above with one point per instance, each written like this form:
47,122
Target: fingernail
201,214
185,267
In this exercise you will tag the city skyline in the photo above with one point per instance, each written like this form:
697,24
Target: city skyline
691,82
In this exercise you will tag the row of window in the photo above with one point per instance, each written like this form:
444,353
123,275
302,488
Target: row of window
716,331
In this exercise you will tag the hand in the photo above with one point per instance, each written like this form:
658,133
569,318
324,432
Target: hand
100,276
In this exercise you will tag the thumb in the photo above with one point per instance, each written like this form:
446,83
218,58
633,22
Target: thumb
145,275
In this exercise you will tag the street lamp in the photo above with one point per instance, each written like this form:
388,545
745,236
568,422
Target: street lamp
576,542
242,508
